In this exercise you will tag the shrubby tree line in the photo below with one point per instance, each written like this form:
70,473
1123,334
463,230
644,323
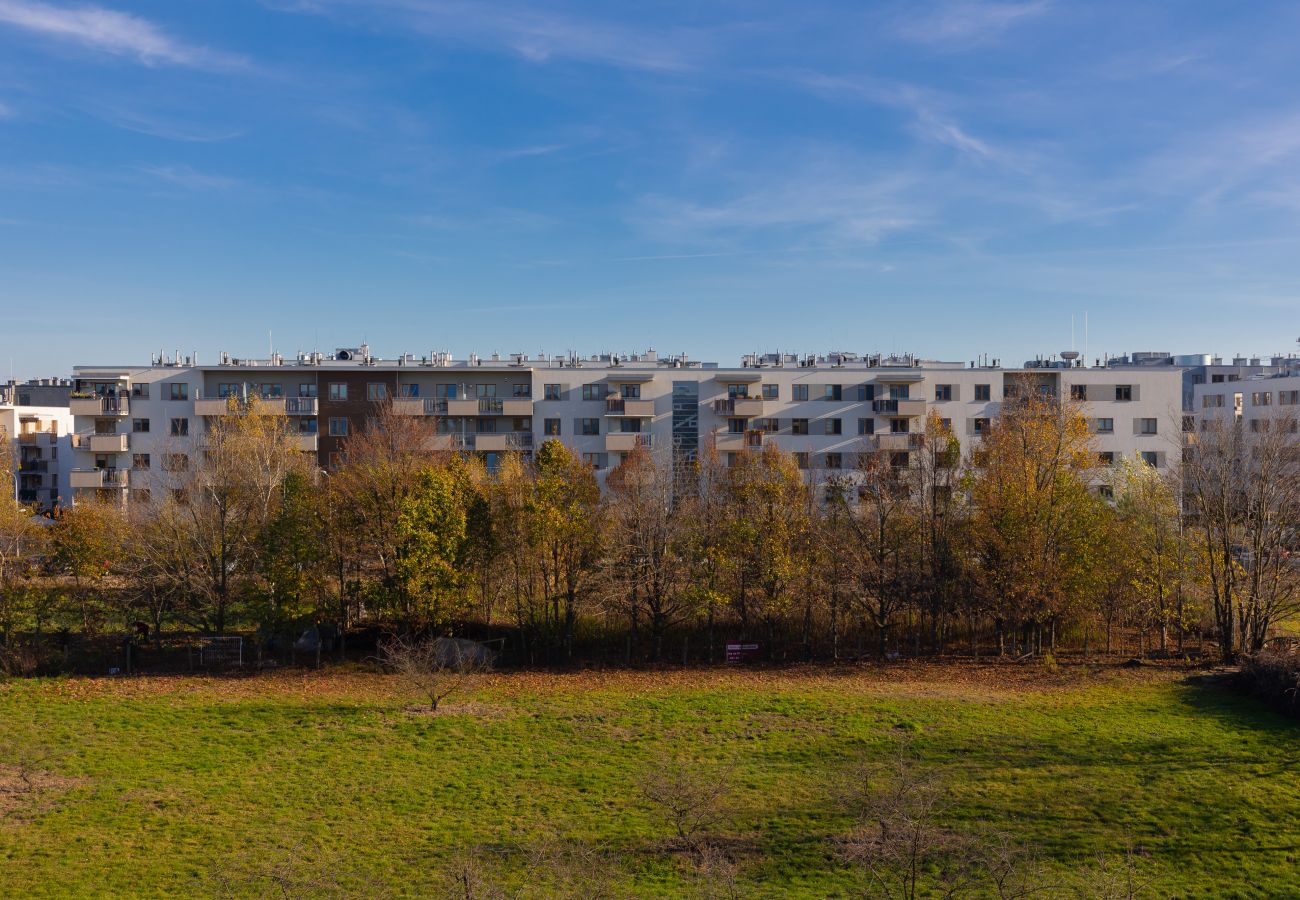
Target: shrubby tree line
1021,544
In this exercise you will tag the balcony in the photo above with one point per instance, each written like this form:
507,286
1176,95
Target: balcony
101,443
307,443
462,408
897,441
519,407
739,407
630,408
99,406
300,406
97,478
33,438
625,443
419,406
222,406
33,466
491,443
899,407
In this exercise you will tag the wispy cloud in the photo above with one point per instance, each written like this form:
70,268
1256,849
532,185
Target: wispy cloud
113,32
535,35
186,177
6,111
968,21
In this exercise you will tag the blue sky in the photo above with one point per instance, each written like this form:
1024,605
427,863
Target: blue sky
949,178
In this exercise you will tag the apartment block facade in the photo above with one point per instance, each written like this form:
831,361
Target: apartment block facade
130,423
37,425
1256,401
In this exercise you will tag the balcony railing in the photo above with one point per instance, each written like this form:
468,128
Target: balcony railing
97,478
223,406
99,406
300,406
900,406
100,443
33,465
624,442
36,437
629,406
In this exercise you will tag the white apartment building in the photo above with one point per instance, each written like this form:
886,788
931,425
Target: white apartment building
132,422
39,439
1252,400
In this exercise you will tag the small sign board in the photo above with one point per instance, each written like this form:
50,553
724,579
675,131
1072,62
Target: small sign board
740,653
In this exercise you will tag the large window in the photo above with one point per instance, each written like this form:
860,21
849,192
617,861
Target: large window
338,426
589,426
178,391
1123,392
798,426
551,427
1146,426
771,392
1261,398
521,390
593,392
180,427
1105,426
833,392
630,391
942,392
338,391
866,426
833,426
983,393
140,426
799,391
551,392
376,391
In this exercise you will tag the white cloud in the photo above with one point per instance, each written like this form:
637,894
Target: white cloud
969,21
6,111
535,35
110,31
186,177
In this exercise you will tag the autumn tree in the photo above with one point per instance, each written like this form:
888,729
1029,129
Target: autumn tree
431,536
647,545
86,546
1032,509
565,518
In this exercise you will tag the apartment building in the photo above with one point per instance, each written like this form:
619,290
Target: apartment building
34,419
1256,401
133,422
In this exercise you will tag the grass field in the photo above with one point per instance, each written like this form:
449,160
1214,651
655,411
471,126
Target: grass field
194,786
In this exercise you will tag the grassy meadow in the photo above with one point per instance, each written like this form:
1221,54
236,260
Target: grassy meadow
310,784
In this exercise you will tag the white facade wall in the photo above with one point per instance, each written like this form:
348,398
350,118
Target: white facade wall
40,442
821,410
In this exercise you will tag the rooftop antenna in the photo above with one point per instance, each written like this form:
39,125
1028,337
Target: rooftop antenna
270,345
1085,337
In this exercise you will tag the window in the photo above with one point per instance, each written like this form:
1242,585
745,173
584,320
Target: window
1258,425
307,424
866,426
1261,398
899,459
983,393
521,390
799,392
1212,401
630,391
522,423
485,391
771,392
1104,426
942,392
833,461
410,390
593,392
1150,457
737,390
308,389
834,392
178,391
898,426
1079,392
272,391
866,393
1106,492
1146,426
899,391
768,426
834,426
336,460
629,426
982,426
1106,457
486,426
176,462
1123,392
229,388
945,424
338,391
798,426
376,391
338,426
1288,398
801,458
551,427
139,460
140,390
1189,424
140,426
589,426
180,427
442,392
595,460
551,392
736,426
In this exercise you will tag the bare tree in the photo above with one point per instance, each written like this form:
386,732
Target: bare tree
690,795
437,667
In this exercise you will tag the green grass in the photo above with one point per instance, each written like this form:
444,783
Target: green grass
166,786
